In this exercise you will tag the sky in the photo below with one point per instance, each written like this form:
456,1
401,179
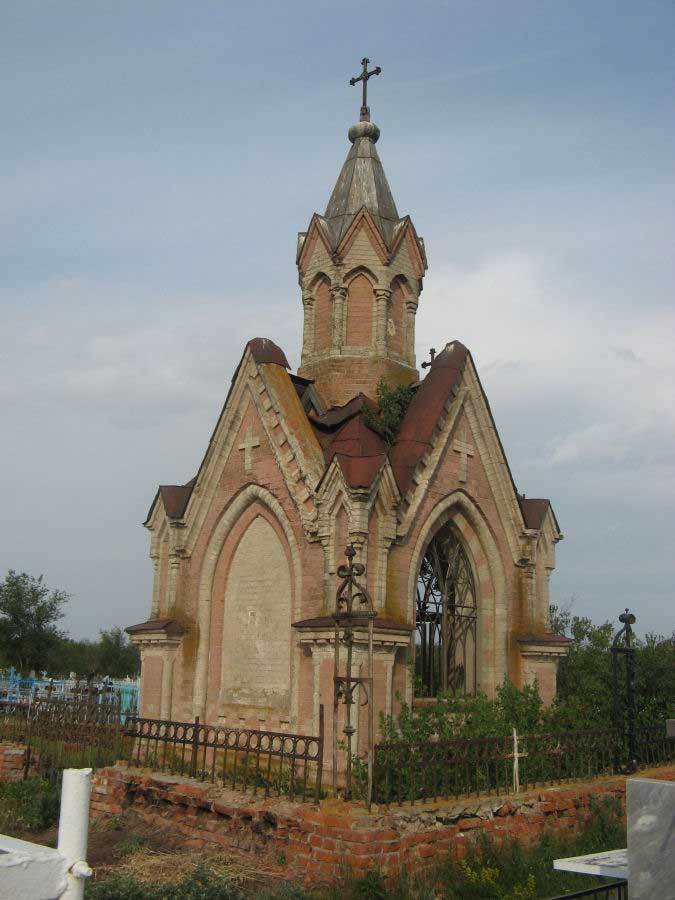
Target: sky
157,161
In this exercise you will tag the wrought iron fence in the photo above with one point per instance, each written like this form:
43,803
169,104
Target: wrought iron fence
615,890
14,687
61,733
431,770
265,762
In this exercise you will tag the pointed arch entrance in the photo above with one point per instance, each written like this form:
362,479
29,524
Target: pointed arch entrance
446,618
472,531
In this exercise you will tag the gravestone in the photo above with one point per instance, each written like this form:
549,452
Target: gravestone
650,810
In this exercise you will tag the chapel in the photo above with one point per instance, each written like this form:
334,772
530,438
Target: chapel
245,554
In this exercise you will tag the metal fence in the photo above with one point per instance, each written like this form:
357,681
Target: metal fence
14,687
60,734
265,762
431,770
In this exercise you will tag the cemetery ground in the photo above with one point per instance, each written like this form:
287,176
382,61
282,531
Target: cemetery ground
132,860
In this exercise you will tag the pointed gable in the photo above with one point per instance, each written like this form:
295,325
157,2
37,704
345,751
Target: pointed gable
421,419
359,450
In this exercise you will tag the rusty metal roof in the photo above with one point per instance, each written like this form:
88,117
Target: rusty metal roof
168,626
534,510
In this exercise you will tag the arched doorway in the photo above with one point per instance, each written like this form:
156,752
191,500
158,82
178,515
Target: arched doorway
446,619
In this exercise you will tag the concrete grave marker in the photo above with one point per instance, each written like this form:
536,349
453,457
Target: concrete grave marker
650,810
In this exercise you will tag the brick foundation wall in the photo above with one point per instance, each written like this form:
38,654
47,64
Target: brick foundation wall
318,841
13,762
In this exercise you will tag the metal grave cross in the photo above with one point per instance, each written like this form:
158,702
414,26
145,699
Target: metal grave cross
250,441
465,450
364,76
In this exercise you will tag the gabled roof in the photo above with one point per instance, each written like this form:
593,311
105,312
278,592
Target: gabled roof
345,436
359,450
415,435
175,497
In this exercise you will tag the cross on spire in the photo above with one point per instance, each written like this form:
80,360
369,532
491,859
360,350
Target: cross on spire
364,76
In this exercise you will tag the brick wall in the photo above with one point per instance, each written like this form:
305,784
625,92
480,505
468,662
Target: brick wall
13,762
318,841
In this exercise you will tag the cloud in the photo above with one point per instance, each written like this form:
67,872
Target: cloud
603,385
131,353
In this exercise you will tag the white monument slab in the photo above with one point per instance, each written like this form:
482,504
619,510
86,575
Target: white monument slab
650,808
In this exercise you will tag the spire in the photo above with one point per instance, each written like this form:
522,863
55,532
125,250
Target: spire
362,181
360,269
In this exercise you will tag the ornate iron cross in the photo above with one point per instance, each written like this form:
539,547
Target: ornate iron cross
428,363
364,76
352,605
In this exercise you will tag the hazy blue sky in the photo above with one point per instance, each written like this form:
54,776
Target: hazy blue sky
157,161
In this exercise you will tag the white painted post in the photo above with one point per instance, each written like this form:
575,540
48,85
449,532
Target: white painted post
516,766
74,829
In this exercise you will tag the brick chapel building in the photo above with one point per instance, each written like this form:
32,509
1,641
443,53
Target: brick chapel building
245,554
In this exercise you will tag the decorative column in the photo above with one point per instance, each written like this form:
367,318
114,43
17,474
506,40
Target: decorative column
168,657
172,581
309,327
409,330
339,295
382,298
176,554
156,580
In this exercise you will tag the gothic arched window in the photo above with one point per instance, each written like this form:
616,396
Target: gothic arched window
446,614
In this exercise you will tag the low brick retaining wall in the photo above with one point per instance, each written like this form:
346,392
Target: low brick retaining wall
13,762
319,841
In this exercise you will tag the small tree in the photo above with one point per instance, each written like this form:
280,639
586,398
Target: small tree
393,403
29,611
117,656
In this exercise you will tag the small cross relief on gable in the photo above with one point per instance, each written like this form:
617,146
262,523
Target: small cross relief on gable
465,450
249,444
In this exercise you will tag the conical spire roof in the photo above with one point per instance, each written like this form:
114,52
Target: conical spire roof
362,182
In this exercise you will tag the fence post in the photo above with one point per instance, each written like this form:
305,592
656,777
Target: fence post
319,771
624,708
29,735
195,748
516,763
74,829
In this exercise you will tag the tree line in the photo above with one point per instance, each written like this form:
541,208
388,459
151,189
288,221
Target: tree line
31,640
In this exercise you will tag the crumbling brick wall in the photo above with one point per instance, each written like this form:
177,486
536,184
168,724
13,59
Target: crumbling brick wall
319,841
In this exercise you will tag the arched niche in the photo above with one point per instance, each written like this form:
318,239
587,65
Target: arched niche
255,653
360,301
223,542
400,291
323,312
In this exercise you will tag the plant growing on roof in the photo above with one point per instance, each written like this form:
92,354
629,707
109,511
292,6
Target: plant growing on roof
393,402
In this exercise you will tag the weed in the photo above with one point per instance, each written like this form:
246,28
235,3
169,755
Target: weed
28,806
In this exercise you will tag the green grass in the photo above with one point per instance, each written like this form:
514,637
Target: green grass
28,806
